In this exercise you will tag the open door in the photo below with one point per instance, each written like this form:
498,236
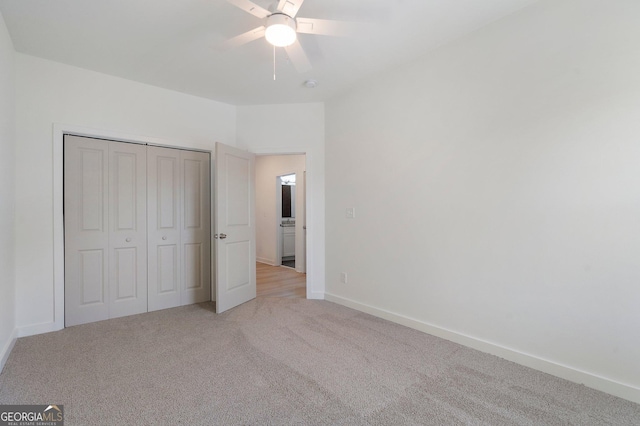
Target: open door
235,232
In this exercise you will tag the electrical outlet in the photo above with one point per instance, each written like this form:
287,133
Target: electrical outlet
351,213
343,277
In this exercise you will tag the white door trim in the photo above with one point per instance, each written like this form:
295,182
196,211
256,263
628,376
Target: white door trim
59,130
278,224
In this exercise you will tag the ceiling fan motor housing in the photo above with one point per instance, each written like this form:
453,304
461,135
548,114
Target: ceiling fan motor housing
281,30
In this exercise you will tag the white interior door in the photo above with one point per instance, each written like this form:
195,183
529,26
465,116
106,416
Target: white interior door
105,230
196,226
86,224
179,224
235,227
128,229
163,204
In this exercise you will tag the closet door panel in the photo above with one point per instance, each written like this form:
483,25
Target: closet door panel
125,277
86,207
167,267
128,224
163,224
193,260
91,277
196,226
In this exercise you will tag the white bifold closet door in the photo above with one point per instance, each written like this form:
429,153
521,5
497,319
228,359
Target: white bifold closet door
105,229
137,229
179,224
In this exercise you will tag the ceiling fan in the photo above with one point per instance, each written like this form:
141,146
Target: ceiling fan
281,27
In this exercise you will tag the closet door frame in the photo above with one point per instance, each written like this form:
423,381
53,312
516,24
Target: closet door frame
59,130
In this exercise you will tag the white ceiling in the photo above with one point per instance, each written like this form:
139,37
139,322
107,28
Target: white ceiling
172,43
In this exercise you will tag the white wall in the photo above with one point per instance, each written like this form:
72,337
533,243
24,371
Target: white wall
7,192
50,92
496,192
268,168
294,129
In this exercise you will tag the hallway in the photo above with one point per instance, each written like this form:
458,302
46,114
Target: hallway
276,281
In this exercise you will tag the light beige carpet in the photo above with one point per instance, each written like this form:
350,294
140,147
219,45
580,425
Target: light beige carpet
286,361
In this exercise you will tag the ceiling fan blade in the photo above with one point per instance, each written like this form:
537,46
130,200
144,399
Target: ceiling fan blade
244,38
298,57
289,7
327,27
250,7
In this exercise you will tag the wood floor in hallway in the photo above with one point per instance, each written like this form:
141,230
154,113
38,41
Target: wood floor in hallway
278,281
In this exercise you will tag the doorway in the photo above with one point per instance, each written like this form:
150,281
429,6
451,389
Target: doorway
287,213
281,224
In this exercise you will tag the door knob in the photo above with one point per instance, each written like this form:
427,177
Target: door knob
128,240
223,236
164,238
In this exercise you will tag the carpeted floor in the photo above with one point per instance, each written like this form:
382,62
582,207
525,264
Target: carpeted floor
286,361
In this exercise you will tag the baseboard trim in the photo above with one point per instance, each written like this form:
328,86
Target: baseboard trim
590,380
45,327
8,347
266,261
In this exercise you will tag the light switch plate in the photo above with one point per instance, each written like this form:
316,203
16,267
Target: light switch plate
351,213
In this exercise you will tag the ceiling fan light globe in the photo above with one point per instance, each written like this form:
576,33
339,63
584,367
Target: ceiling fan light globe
281,30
